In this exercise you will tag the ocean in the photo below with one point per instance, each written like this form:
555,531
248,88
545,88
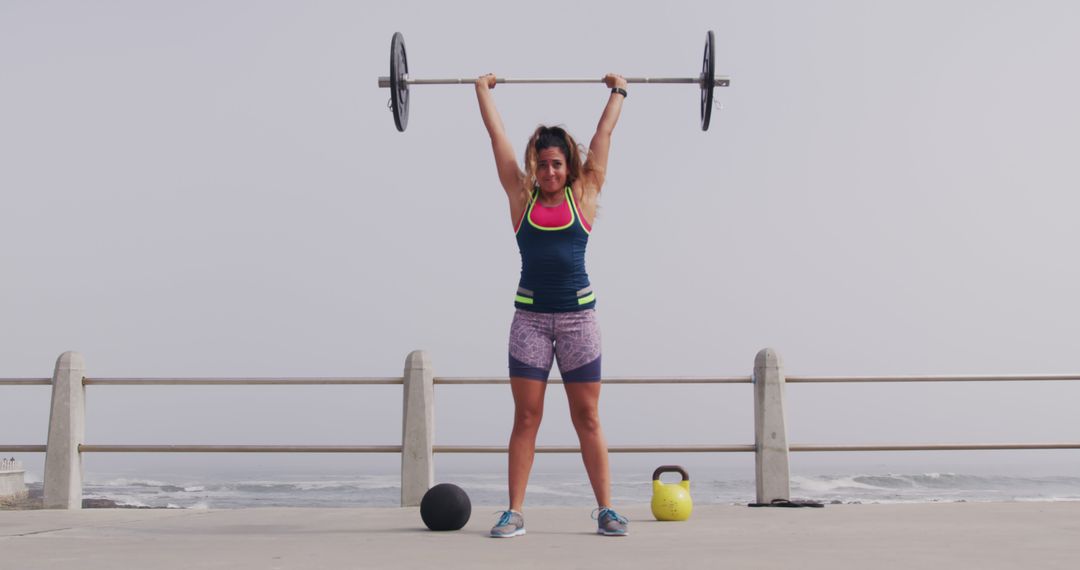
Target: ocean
330,490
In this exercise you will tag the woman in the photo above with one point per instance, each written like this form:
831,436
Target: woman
552,206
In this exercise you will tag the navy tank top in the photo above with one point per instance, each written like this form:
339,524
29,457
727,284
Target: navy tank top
552,244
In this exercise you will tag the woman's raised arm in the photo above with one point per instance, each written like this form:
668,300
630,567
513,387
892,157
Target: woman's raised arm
510,174
596,164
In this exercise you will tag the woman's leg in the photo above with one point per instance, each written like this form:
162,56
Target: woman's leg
528,411
584,412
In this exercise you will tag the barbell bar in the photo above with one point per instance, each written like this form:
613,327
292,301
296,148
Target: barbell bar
399,81
719,81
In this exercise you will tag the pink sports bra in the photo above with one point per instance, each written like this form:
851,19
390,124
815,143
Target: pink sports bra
552,217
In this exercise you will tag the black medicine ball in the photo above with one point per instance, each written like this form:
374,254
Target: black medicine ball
445,507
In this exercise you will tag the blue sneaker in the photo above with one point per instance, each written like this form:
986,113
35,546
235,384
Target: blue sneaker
511,523
609,522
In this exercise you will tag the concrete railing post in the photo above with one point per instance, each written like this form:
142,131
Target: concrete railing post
770,433
67,428
417,429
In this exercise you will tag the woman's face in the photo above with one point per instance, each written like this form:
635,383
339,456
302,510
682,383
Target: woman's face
551,170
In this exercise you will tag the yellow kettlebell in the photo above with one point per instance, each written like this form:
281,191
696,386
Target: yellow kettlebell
671,501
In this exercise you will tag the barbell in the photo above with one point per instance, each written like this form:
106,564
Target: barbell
399,81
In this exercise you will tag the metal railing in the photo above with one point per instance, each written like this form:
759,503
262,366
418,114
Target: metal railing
63,476
947,378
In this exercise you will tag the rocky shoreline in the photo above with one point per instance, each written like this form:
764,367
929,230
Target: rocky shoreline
33,500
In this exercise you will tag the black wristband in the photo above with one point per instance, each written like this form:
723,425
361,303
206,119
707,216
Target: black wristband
619,90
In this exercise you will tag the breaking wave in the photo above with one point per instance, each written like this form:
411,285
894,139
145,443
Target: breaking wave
558,489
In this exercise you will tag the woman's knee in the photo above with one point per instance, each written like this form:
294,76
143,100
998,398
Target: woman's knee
528,417
586,419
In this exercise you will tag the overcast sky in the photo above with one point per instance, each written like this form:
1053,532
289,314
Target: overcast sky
217,189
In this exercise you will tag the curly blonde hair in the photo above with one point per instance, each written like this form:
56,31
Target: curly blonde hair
553,137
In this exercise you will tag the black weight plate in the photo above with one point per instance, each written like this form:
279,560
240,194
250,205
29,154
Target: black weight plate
399,87
708,80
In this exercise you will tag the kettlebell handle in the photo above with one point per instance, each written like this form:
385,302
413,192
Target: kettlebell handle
670,469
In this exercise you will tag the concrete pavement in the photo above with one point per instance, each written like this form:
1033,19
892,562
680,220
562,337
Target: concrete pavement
936,535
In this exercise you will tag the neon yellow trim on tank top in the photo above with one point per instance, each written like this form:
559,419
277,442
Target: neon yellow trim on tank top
577,212
525,214
523,300
573,212
587,299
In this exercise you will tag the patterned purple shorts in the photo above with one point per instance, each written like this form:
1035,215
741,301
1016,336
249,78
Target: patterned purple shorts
538,338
